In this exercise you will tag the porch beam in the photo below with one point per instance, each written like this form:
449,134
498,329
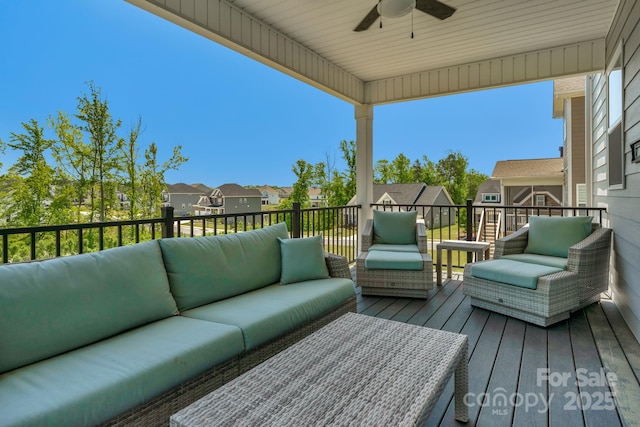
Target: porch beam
545,64
364,164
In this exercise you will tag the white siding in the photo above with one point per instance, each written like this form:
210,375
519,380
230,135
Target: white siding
622,205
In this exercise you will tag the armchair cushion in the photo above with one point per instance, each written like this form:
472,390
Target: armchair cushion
554,236
302,259
394,248
551,261
387,260
394,228
512,272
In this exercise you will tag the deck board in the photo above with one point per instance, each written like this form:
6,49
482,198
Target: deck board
560,362
503,383
505,355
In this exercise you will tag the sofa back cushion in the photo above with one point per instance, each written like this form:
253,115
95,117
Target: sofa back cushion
553,236
53,306
203,270
394,228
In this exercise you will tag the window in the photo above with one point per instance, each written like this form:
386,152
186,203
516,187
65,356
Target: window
581,195
540,199
615,135
490,198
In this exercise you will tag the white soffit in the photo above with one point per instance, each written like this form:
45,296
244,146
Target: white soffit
485,43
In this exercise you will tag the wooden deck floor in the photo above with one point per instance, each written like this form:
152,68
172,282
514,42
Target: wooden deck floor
524,375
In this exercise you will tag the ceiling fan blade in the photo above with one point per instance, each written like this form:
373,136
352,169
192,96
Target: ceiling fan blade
368,20
435,8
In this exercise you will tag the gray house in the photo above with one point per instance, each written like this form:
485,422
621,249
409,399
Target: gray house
233,199
417,194
182,197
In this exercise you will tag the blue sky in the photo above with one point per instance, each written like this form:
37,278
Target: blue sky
236,119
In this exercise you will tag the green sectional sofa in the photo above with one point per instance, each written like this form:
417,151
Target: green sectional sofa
130,335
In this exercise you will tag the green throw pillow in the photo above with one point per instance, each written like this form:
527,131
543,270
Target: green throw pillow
554,235
394,228
302,259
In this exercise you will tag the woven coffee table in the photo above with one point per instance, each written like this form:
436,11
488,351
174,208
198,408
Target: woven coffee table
358,370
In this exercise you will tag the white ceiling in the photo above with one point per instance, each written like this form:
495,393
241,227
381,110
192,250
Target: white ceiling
485,43
478,30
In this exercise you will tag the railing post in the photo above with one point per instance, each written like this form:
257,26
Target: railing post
167,224
295,220
469,227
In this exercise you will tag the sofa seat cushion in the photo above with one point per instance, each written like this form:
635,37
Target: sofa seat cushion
387,260
512,272
269,312
95,383
57,305
551,261
394,248
207,269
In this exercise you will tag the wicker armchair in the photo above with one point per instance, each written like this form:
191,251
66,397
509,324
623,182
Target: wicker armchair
557,295
393,282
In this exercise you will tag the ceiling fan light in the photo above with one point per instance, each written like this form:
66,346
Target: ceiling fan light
395,8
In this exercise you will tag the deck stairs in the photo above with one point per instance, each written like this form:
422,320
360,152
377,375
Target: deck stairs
489,230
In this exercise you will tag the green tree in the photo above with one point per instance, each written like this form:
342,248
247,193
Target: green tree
130,184
382,172
304,174
94,112
348,149
36,196
401,170
425,171
474,179
452,174
152,178
339,194
73,158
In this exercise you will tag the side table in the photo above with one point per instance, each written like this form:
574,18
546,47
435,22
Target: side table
481,249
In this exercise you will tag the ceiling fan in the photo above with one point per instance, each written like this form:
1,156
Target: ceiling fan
398,8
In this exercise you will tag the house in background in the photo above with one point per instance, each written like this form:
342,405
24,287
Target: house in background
489,193
233,199
530,182
270,196
417,194
202,187
284,193
182,197
316,198
569,105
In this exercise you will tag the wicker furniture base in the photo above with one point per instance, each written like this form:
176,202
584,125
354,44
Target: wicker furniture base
158,411
557,295
395,283
358,370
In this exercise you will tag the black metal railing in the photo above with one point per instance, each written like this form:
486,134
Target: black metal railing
336,224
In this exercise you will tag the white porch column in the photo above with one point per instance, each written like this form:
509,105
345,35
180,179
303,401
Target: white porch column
364,164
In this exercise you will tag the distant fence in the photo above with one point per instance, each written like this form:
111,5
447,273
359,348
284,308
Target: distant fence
41,242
